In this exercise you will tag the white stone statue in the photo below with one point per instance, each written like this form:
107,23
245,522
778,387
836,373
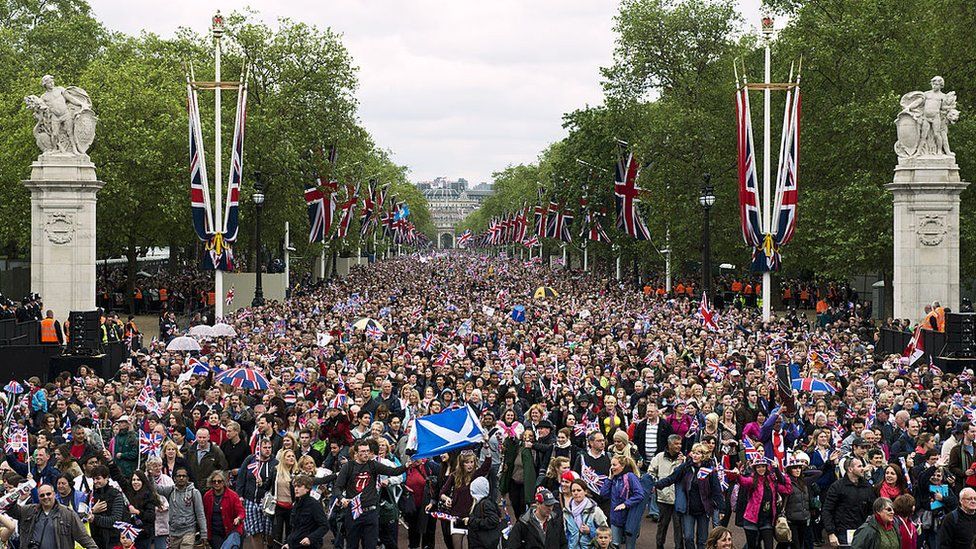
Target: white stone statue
923,123
65,122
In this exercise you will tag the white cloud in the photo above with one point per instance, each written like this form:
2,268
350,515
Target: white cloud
459,88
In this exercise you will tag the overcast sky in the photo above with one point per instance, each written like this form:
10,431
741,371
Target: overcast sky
456,88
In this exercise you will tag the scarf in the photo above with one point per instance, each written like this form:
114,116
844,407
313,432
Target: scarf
576,509
779,446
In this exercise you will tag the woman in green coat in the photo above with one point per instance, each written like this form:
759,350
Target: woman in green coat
518,476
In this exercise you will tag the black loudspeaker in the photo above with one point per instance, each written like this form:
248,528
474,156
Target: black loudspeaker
960,329
84,337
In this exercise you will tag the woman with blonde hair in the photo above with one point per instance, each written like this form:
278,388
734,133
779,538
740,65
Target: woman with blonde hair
557,466
172,458
622,446
283,493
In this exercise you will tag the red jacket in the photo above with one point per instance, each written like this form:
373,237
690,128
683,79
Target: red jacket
230,508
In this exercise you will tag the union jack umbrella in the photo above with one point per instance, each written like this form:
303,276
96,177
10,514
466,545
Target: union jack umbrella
244,378
13,387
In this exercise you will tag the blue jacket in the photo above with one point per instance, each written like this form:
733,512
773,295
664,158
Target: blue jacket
790,433
626,489
592,516
709,488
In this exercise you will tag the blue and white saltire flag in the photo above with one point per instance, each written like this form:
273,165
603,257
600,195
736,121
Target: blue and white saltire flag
447,431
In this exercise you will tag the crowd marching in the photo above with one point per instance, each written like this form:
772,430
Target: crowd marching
608,414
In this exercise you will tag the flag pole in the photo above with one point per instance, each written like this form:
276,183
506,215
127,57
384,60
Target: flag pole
767,31
218,31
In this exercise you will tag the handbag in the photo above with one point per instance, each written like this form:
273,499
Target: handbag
269,503
782,531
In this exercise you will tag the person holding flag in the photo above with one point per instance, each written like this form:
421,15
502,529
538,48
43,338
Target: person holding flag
40,520
760,489
696,496
626,495
357,481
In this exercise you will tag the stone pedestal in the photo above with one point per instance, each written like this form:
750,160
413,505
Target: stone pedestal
63,189
926,210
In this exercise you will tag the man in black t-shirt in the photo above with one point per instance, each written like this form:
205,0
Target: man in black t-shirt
356,488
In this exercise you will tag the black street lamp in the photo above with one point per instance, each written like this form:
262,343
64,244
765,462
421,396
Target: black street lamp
258,198
707,200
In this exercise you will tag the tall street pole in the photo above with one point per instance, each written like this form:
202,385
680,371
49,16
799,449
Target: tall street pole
258,198
218,32
287,259
767,207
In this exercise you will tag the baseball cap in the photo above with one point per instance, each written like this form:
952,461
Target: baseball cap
545,424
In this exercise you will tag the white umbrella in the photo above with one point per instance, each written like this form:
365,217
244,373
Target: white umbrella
183,343
201,330
222,329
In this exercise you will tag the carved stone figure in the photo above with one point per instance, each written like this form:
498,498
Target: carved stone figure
923,122
65,122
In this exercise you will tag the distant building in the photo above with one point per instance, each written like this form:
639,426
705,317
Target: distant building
450,202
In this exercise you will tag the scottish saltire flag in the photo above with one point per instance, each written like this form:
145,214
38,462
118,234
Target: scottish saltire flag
784,212
402,212
199,190
315,201
518,313
749,213
447,431
625,193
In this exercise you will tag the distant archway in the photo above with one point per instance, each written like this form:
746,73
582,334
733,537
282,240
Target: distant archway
446,241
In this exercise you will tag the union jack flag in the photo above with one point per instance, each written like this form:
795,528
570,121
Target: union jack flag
255,469
751,220
230,297
784,222
150,443
626,193
314,199
369,206
541,216
444,357
750,451
356,507
559,223
126,530
199,190
374,332
531,242
231,213
715,369
427,343
147,398
17,440
345,220
592,479
707,315
464,238
703,472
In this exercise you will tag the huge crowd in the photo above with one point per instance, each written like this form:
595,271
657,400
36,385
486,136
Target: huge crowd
609,413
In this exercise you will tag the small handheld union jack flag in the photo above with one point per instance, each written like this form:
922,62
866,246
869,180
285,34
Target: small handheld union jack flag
255,469
704,472
750,450
445,356
374,332
126,530
427,343
17,441
356,507
150,443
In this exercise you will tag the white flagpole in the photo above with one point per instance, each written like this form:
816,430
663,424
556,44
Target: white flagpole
767,211
218,31
287,265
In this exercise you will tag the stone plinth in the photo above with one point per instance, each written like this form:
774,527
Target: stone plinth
63,198
926,193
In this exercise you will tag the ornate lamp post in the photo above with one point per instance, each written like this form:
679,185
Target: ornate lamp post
258,198
707,200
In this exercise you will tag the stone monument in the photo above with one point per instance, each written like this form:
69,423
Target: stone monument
63,186
926,189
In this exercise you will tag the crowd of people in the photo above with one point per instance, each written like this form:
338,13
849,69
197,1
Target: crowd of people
608,413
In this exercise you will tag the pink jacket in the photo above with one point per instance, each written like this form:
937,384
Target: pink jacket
749,487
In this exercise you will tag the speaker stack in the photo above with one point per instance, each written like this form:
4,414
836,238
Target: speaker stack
84,337
960,335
